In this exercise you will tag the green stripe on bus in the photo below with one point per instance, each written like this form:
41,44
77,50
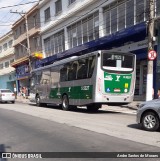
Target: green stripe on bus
75,92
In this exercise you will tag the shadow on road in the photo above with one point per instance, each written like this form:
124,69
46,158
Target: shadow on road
134,126
79,109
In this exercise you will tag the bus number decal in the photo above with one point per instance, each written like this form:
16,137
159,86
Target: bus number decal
85,88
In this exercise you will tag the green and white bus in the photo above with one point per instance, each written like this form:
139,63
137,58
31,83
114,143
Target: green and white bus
93,79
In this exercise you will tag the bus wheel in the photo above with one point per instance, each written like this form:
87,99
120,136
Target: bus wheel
65,103
38,101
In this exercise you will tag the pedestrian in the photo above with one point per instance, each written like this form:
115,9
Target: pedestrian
158,93
15,91
24,92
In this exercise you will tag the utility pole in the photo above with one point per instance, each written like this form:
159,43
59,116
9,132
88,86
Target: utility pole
23,14
149,86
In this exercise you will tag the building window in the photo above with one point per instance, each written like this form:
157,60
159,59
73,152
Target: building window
35,20
5,47
58,6
47,14
54,44
114,20
0,49
71,1
24,27
47,46
139,11
16,52
10,43
157,7
96,25
59,42
107,22
79,33
121,16
84,31
6,64
129,13
16,33
36,42
20,30
1,66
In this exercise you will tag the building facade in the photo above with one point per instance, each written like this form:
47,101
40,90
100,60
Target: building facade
72,26
26,43
7,73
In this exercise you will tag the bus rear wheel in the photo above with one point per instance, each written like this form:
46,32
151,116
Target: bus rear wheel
65,103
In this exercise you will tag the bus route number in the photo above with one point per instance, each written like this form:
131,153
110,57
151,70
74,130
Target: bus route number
85,88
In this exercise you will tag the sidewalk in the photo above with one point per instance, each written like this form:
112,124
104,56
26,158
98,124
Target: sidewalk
22,100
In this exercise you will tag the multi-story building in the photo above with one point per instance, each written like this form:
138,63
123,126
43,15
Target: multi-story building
24,32
72,26
7,73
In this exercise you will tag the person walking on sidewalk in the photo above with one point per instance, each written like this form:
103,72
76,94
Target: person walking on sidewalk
15,91
158,93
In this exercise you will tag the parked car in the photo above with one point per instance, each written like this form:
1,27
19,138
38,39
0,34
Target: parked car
148,115
6,95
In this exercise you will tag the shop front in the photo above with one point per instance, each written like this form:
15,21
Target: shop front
22,74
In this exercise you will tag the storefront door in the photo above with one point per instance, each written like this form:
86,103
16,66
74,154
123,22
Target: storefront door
141,79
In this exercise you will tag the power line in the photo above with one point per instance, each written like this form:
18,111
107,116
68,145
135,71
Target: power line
19,4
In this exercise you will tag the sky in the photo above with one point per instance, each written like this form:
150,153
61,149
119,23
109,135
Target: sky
7,18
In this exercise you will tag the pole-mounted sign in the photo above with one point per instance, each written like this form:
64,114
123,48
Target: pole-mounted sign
152,54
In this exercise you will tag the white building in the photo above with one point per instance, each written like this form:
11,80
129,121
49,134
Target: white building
71,26
7,73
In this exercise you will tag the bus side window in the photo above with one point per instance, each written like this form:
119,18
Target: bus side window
45,77
91,66
63,73
82,69
55,74
72,71
38,77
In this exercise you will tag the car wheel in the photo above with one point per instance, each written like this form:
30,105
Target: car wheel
13,102
65,103
150,121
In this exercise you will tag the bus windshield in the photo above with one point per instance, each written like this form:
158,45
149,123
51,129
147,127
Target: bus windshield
117,62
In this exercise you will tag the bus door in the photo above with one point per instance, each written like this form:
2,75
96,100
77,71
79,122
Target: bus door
45,84
73,87
54,89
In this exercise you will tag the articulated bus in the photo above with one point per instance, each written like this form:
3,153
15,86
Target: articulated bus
93,79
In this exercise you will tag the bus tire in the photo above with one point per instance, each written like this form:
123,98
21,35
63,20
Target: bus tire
38,104
65,103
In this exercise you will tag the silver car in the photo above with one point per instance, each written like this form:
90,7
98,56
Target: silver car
6,95
148,115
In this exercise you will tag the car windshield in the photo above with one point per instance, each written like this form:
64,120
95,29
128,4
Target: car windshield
6,91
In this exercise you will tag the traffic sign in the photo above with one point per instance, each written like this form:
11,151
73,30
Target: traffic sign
152,54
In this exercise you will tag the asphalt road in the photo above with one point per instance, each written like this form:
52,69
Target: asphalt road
52,130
